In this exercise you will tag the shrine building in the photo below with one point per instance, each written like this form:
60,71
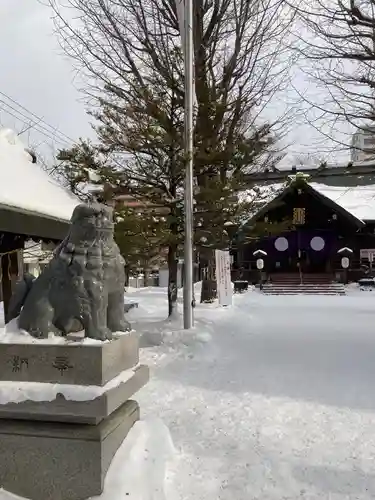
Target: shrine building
307,228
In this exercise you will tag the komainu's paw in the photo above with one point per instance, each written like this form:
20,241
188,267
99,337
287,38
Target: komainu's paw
99,334
120,326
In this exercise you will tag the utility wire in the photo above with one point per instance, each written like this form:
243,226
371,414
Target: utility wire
36,117
34,125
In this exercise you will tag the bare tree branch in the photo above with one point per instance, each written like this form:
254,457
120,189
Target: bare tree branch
130,53
337,40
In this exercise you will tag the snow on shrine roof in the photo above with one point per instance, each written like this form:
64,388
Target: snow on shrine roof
26,187
357,200
259,196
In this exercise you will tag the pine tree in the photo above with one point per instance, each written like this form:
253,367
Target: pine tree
219,200
140,234
139,231
144,141
76,168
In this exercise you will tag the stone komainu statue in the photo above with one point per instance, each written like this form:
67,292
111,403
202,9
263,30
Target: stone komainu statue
82,287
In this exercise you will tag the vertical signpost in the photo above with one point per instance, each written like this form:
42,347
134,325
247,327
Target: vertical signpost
223,277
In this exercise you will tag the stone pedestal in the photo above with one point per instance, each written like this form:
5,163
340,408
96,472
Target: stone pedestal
69,363
61,449
45,461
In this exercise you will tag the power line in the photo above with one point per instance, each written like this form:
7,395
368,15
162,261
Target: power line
39,128
38,118
47,130
37,124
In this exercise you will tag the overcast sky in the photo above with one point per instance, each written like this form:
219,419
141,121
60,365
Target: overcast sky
36,75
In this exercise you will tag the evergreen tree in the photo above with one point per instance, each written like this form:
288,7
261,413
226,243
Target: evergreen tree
139,234
143,139
139,230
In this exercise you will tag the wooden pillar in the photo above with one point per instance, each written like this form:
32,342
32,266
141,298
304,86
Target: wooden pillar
20,264
9,274
9,257
6,283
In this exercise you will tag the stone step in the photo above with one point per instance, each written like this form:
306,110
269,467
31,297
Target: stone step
297,291
84,411
299,284
294,275
304,293
298,281
301,291
289,287
306,278
301,287
302,284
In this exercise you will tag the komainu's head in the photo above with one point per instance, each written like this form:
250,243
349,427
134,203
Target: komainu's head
91,223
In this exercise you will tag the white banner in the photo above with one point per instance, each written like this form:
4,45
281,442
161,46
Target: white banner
223,277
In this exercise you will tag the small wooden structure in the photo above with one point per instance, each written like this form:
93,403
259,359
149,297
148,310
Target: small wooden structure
32,206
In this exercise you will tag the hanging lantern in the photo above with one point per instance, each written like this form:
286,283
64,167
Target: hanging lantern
260,264
345,262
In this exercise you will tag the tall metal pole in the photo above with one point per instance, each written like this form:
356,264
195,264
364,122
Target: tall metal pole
189,107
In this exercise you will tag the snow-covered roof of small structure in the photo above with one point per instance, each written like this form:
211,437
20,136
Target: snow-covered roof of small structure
26,187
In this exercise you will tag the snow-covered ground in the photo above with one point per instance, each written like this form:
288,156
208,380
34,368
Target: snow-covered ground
279,404
270,399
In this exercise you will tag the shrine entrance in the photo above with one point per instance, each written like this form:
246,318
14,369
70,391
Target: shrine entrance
300,250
